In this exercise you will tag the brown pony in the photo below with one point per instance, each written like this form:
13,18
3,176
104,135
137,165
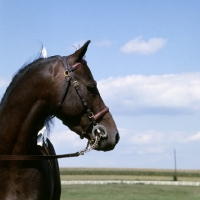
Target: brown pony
56,86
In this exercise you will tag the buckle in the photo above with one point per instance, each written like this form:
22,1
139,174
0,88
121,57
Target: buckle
90,115
75,83
67,73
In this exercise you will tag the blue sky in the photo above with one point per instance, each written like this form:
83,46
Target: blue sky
145,56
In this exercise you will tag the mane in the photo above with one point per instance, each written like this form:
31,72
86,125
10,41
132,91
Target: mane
18,76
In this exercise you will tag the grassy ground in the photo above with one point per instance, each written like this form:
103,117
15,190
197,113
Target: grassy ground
129,192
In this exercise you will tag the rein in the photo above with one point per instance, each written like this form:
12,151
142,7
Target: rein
37,157
98,131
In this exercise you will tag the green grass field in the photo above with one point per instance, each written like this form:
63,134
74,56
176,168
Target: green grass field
128,192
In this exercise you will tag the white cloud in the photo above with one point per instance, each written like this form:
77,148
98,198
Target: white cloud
149,141
171,93
3,82
148,137
104,43
194,137
137,45
67,139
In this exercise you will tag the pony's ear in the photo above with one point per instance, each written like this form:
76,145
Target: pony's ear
78,55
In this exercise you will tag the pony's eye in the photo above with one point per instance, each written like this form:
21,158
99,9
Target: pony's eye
92,89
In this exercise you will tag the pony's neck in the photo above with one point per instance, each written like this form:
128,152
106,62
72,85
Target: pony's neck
27,105
18,130
23,113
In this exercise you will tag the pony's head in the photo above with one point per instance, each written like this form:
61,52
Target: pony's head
81,107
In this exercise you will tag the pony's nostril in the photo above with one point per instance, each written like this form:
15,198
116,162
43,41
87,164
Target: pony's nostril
117,137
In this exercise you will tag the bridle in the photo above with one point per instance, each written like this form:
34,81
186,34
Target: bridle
98,131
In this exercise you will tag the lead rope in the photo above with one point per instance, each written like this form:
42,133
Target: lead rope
90,147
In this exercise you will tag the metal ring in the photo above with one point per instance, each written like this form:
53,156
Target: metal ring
67,73
98,129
